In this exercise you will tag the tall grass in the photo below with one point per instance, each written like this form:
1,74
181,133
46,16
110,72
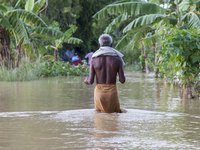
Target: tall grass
25,72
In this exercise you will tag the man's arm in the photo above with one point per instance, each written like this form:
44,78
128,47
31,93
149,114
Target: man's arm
122,77
90,80
86,56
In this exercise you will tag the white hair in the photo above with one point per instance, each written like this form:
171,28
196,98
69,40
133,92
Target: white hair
105,40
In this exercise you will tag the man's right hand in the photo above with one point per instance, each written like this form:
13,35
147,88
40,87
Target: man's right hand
86,81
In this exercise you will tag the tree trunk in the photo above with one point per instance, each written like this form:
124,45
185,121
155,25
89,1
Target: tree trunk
5,53
25,54
146,62
18,55
145,58
156,60
55,55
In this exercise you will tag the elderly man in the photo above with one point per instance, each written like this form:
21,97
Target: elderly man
106,64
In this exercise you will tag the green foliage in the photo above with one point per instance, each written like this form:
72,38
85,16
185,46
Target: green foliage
137,18
144,20
37,6
29,5
132,8
59,68
35,70
181,54
48,31
26,16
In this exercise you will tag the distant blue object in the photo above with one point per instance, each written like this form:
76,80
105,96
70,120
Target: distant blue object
74,58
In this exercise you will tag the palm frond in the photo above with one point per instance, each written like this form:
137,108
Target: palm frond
3,8
144,20
49,47
168,20
70,31
197,6
17,4
132,8
4,22
132,39
133,44
124,41
20,30
73,40
109,28
185,4
26,16
29,4
154,1
8,6
194,20
149,41
116,22
123,1
48,31
37,6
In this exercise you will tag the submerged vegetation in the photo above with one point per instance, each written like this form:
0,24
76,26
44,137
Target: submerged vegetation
63,69
34,70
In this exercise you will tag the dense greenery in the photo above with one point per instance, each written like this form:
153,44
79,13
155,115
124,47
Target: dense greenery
78,12
34,70
164,39
181,54
59,68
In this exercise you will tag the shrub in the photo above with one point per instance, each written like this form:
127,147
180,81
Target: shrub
60,68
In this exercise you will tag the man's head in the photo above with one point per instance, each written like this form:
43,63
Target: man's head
105,40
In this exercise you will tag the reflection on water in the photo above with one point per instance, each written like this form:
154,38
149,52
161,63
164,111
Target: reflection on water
58,113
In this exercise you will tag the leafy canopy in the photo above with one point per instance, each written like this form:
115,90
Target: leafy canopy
181,53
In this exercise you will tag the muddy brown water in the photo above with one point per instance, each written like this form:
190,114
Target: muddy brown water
58,113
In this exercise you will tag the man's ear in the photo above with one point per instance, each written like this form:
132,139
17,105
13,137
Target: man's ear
111,45
99,45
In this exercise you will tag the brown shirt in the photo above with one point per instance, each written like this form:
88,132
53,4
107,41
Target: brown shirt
106,69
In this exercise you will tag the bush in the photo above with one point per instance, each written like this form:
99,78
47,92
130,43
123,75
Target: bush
180,54
64,69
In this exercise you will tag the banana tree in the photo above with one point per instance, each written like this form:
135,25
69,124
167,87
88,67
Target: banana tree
16,23
143,17
61,38
131,12
22,24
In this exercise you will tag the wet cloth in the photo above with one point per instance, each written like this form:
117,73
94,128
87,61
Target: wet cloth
106,98
106,50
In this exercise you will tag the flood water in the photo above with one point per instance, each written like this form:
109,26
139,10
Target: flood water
58,113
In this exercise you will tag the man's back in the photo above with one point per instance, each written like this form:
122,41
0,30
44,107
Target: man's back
106,69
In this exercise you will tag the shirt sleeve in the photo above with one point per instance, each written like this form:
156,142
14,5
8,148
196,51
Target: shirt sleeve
86,56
